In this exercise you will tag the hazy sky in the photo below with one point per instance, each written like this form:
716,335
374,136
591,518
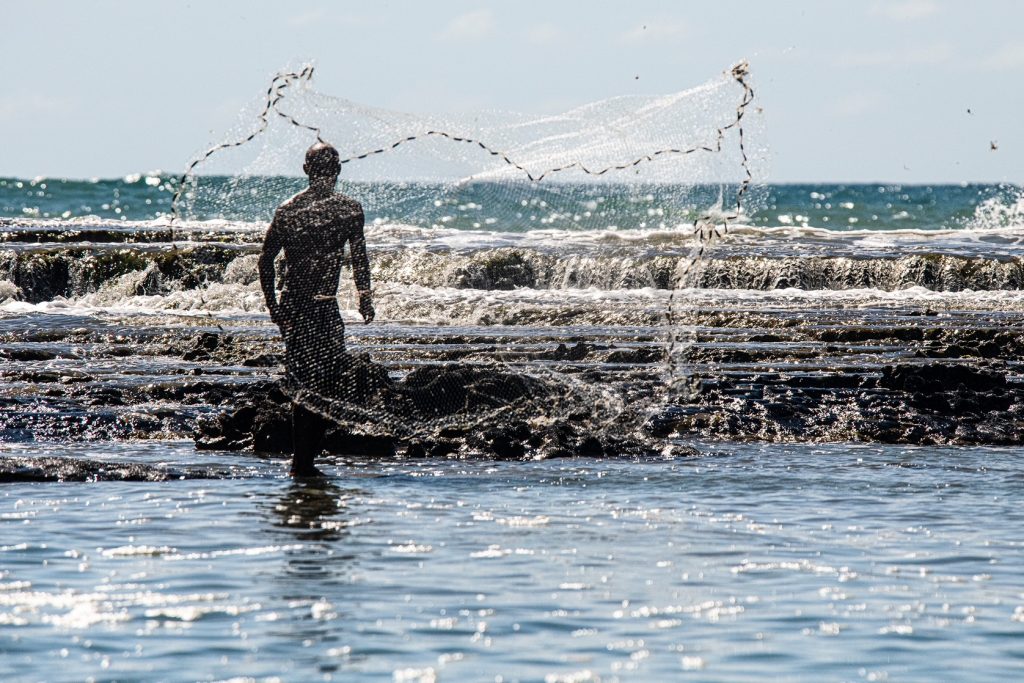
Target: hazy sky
851,91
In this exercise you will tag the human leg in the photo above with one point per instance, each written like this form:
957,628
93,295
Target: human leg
307,439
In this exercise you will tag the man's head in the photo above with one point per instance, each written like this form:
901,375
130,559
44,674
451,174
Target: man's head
323,163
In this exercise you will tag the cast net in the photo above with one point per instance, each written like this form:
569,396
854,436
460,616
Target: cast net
570,237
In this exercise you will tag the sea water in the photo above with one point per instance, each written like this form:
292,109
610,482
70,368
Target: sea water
754,560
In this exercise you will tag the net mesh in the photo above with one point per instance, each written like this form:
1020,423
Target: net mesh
671,172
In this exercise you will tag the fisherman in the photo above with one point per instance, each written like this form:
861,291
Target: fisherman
312,228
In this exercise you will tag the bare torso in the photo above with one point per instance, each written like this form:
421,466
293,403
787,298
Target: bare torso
312,229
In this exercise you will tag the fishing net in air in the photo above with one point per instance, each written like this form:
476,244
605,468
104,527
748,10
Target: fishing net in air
500,250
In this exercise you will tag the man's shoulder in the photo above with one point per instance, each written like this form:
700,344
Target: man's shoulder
336,204
290,205
346,209
343,201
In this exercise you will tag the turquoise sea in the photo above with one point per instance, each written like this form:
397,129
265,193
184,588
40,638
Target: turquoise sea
880,206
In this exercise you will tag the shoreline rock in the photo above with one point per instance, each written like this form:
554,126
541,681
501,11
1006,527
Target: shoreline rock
932,403
773,379
15,469
455,409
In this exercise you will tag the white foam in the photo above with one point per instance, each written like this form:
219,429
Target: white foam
981,236
448,305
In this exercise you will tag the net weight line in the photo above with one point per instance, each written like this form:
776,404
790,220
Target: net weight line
275,93
708,228
282,81
739,72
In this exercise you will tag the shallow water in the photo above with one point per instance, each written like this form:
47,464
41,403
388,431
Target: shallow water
811,562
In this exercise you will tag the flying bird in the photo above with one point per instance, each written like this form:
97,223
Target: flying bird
993,145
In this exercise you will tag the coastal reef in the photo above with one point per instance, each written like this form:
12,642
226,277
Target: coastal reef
918,377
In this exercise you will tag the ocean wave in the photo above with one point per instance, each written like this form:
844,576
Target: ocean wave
47,272
573,307
385,234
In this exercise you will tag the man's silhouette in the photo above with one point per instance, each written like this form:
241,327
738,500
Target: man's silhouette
312,228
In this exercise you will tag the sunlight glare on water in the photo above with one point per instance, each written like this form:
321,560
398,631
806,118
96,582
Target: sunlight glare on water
827,562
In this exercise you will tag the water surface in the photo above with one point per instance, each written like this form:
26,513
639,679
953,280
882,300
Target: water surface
786,561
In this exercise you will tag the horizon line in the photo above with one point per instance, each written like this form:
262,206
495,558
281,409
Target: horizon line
175,176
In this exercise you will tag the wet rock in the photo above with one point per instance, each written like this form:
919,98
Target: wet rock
75,377
432,448
210,341
105,395
263,422
42,277
647,355
271,430
431,393
204,345
865,334
576,352
226,349
192,267
664,422
940,377
826,381
340,441
766,338
974,342
507,441
264,426
37,377
192,391
501,269
54,469
139,424
264,360
27,354
906,403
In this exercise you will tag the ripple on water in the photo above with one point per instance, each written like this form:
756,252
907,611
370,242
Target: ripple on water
581,570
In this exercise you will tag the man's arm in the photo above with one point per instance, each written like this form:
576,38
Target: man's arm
361,268
272,245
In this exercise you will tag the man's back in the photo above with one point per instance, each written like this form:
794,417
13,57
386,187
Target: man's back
313,230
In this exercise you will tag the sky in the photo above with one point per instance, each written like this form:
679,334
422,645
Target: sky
910,91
